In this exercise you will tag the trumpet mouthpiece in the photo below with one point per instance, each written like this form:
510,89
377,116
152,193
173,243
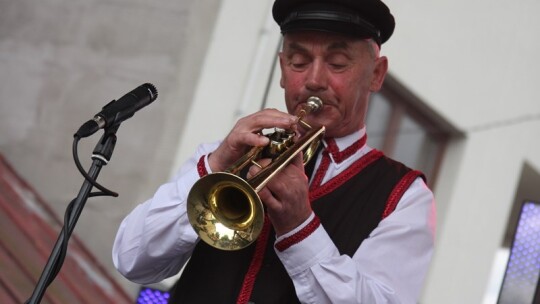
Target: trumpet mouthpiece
314,104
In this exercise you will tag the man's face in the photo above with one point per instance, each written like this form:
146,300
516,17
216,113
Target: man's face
340,70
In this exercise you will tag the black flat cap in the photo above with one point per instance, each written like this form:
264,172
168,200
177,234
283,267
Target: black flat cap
358,18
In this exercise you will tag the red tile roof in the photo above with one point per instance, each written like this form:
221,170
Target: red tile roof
28,232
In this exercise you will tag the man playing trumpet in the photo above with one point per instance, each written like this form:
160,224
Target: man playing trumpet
352,226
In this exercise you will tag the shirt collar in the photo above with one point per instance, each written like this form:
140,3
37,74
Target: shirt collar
342,148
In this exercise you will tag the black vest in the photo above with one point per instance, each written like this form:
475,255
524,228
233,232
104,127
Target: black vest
350,208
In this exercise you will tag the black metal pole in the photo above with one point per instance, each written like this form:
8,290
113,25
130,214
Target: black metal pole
101,156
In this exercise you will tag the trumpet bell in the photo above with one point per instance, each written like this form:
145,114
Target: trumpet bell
225,211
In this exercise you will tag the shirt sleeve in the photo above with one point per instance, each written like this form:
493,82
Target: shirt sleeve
155,240
388,267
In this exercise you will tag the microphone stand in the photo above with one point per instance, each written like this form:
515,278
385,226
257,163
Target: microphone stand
101,156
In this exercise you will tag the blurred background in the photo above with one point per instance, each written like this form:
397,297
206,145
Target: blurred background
460,103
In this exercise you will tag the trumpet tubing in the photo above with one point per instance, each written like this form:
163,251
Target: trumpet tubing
224,209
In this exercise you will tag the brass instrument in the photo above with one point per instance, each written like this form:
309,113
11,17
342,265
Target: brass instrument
225,209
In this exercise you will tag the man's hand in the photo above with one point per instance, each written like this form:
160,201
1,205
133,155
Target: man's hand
246,134
286,196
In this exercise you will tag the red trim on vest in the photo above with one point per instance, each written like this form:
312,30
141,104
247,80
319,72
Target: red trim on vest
299,236
340,156
398,191
321,171
344,176
201,168
256,263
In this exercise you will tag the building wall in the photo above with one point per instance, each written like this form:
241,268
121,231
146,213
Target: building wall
476,63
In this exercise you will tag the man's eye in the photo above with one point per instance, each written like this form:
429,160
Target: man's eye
298,61
337,66
338,61
298,65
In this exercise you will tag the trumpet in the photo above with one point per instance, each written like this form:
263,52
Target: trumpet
224,209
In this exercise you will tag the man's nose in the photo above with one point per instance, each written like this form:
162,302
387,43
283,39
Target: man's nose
317,78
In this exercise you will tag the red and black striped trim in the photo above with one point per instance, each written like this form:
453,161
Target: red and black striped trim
255,265
299,236
399,190
340,156
201,168
344,176
321,171
337,156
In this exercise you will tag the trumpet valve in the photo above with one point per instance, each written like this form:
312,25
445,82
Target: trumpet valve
280,141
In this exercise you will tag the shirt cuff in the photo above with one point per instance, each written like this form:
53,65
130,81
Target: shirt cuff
202,166
305,246
298,234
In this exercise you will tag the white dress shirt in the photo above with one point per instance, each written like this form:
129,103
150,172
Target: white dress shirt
155,240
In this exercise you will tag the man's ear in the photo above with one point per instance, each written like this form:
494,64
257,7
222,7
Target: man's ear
379,73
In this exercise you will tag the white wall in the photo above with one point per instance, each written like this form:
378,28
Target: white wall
475,62
234,74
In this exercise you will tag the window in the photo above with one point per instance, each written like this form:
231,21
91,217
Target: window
404,128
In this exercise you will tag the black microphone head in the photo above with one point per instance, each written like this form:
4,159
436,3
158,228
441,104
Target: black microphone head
119,110
140,97
123,108
152,90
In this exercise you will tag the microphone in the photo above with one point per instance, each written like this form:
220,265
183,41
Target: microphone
119,110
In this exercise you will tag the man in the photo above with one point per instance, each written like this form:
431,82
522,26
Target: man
358,230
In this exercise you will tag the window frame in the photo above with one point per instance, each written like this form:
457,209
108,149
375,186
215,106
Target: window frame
404,103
